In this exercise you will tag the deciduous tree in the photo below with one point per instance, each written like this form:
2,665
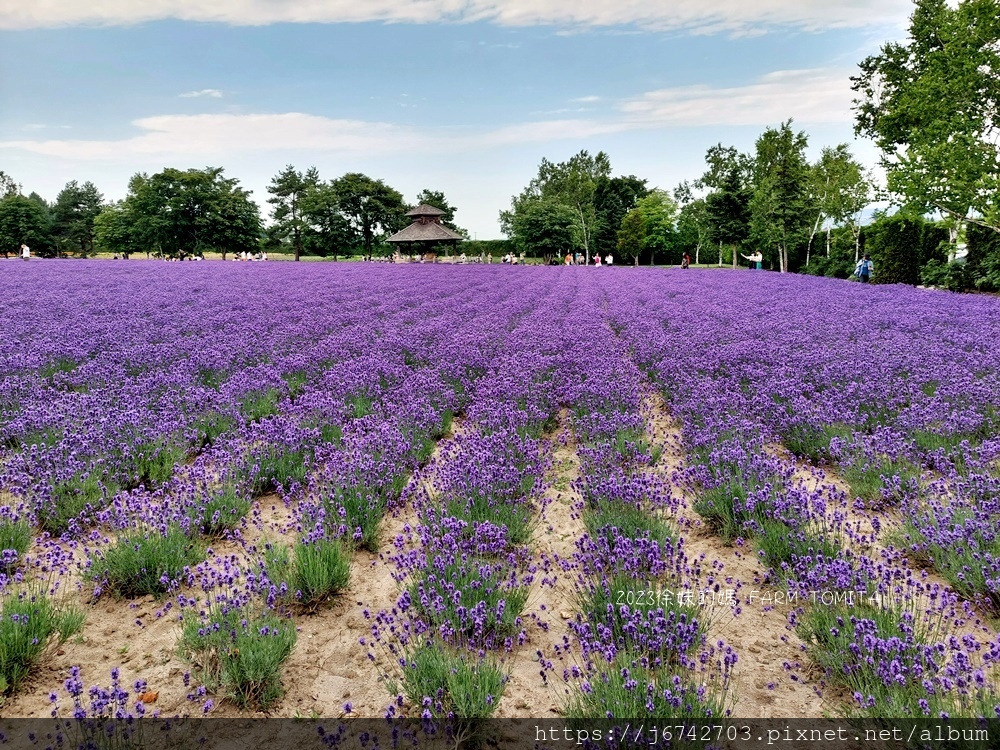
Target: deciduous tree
931,105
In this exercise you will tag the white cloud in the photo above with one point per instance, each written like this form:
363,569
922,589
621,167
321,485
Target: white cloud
734,16
219,135
807,96
210,93
586,99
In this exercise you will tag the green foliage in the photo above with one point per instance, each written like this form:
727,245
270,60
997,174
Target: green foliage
145,561
28,619
612,695
780,543
951,276
209,426
436,198
178,213
780,205
318,571
960,564
73,215
611,606
812,441
831,632
571,184
278,465
71,497
152,463
614,197
460,585
241,652
226,505
983,259
517,517
24,220
659,217
609,519
257,405
360,505
724,509
368,209
15,536
546,228
632,235
900,245
289,190
872,480
451,684
930,105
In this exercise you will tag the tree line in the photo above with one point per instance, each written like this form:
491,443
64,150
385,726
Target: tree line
930,104
185,213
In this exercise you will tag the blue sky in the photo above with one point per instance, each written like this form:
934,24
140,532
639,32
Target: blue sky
463,96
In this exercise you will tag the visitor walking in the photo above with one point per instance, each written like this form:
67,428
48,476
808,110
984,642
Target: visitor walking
864,269
25,251
686,261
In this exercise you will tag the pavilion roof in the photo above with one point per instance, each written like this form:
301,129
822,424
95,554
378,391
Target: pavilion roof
425,210
430,232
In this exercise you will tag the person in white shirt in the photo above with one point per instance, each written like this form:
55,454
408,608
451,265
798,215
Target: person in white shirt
25,251
608,260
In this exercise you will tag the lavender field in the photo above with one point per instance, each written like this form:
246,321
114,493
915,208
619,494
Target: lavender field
365,490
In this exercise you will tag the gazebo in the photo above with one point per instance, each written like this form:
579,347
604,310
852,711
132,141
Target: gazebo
426,233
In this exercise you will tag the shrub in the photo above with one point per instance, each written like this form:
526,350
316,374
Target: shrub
225,505
15,538
241,652
462,687
68,499
628,690
937,273
258,405
318,570
145,561
609,519
27,620
279,465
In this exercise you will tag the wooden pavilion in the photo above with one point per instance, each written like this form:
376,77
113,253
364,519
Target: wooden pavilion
426,235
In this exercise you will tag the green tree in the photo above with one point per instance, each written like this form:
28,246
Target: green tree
328,232
436,198
113,231
547,228
573,183
8,186
632,235
659,215
727,206
288,190
371,208
22,220
178,213
614,197
73,215
779,207
692,221
931,104
839,189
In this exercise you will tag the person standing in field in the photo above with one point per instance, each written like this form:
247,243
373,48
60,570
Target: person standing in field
608,260
755,259
25,251
686,261
597,261
864,269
